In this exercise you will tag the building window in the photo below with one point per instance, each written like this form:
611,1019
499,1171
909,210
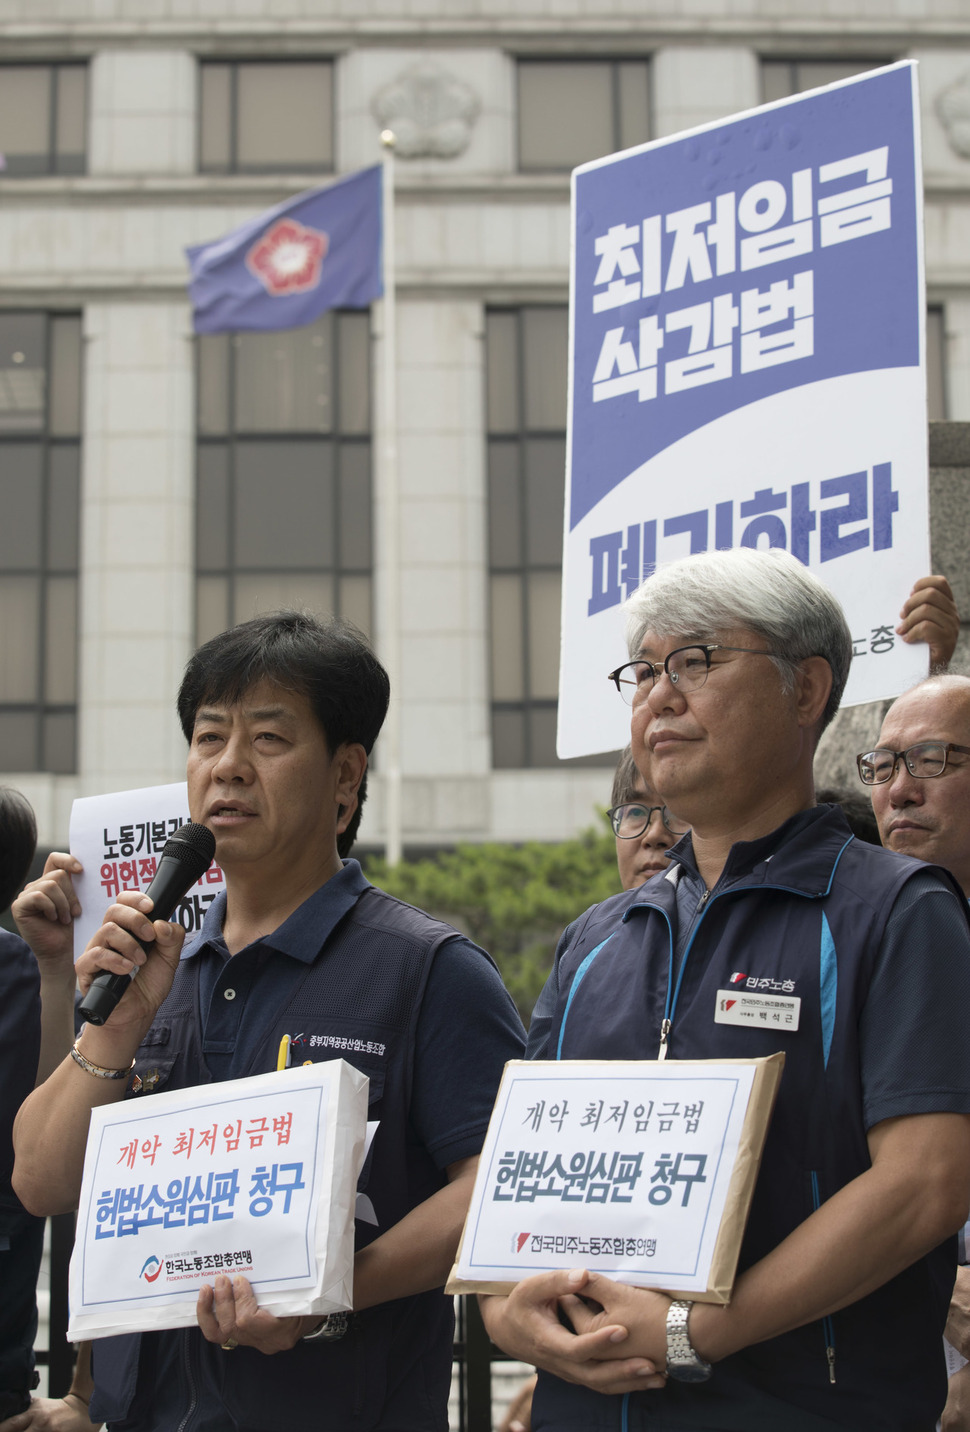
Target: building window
40,425
261,117
283,510
526,404
781,78
43,118
574,110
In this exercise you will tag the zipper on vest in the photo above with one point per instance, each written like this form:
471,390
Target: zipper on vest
664,1031
672,997
828,1327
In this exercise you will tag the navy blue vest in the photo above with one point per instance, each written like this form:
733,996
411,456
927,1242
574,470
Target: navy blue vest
366,985
810,920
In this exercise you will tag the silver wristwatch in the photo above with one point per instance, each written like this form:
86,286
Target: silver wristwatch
683,1364
330,1328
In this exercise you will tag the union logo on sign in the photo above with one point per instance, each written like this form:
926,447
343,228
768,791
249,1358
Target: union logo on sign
151,1268
288,258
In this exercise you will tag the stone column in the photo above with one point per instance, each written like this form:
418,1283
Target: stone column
137,558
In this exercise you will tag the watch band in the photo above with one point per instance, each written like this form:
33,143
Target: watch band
330,1328
683,1364
98,1070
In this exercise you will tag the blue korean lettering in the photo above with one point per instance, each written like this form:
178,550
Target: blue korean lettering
267,1183
763,503
605,556
186,1202
617,568
803,521
619,559
724,526
885,501
833,543
693,522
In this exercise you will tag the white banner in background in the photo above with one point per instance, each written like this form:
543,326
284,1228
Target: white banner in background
118,839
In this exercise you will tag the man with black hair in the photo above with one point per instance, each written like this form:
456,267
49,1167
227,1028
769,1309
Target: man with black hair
281,714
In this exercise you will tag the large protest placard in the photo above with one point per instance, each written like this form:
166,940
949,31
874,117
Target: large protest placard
640,1170
747,369
252,1176
118,839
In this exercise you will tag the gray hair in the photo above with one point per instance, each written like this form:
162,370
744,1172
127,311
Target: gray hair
768,592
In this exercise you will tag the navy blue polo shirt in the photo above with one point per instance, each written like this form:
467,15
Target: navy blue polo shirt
468,1028
448,1116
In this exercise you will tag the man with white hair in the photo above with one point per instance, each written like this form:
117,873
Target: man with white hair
738,660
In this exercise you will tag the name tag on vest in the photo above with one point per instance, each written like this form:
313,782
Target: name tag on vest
766,1011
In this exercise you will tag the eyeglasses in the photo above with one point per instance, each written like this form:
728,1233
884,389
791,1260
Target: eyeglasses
630,820
687,668
924,760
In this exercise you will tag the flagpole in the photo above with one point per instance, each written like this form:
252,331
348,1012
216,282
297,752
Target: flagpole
390,511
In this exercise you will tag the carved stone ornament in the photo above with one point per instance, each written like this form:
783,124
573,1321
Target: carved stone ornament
953,108
430,111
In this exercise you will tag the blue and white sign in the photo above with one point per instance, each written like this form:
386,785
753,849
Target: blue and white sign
747,368
251,1177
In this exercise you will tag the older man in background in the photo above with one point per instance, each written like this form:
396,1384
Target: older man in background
919,777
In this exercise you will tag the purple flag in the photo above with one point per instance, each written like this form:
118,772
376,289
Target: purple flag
285,267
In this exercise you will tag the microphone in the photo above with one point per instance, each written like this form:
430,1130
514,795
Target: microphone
185,858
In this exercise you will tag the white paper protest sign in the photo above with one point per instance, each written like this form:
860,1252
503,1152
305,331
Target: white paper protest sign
118,838
747,369
642,1171
252,1176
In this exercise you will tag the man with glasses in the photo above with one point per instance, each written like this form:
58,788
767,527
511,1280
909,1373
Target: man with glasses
919,780
737,663
919,775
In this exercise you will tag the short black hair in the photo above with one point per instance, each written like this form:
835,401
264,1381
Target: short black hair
627,780
857,809
18,841
329,662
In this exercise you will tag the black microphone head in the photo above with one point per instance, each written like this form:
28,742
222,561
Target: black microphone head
192,844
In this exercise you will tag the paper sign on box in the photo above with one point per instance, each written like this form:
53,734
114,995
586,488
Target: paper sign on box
252,1176
641,1170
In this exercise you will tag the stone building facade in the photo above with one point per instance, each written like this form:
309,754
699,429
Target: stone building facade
143,473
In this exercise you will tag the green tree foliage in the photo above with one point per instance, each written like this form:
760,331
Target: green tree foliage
513,900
